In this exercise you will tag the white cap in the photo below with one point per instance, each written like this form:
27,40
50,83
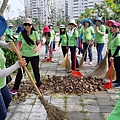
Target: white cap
62,26
72,21
10,25
27,20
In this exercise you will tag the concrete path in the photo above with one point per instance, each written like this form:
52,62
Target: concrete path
94,106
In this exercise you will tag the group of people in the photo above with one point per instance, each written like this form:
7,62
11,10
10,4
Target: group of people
86,34
79,38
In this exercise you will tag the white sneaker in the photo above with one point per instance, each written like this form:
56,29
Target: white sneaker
90,63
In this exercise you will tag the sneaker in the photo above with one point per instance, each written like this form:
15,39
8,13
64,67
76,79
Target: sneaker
51,55
115,82
53,50
40,87
13,92
84,62
69,71
117,85
77,69
90,63
45,57
78,55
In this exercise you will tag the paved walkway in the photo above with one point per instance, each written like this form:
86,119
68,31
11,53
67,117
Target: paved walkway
94,106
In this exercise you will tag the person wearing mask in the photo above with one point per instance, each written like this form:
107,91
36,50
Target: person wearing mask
5,96
10,56
9,32
100,30
28,45
87,34
110,34
115,51
63,40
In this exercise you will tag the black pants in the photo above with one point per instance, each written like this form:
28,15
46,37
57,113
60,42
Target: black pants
35,65
64,50
117,68
109,55
53,44
80,51
72,50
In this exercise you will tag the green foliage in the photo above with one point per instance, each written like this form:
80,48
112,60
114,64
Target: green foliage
114,6
62,22
104,10
11,57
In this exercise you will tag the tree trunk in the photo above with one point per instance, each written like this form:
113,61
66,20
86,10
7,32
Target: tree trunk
3,6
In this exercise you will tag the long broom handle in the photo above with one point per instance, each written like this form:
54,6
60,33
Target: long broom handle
74,60
86,51
28,73
111,69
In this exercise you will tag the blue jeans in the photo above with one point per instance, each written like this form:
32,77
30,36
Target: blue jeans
99,51
72,50
51,48
89,51
5,99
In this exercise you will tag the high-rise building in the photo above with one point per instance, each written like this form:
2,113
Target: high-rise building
62,10
28,12
76,7
37,9
47,10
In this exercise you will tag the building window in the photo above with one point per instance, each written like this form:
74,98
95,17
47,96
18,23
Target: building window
75,0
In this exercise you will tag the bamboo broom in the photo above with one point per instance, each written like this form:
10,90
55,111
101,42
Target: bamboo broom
53,112
64,61
107,76
102,68
67,62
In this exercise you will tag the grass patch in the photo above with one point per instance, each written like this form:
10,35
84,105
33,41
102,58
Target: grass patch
84,111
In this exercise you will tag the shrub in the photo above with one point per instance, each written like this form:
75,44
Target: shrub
11,57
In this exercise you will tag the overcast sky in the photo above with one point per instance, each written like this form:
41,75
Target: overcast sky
15,5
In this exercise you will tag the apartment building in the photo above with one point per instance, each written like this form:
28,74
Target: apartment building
37,9
76,7
47,10
62,10
28,12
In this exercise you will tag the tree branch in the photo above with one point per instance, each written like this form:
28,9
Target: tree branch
3,6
